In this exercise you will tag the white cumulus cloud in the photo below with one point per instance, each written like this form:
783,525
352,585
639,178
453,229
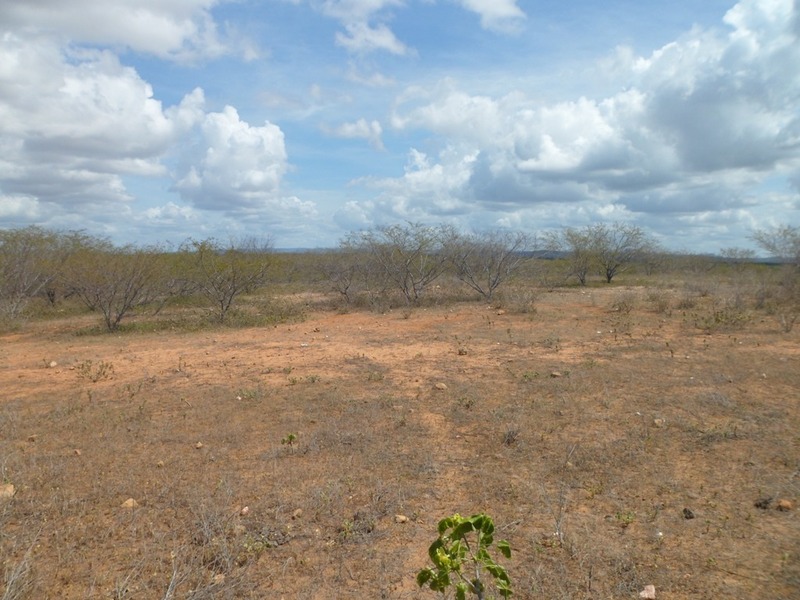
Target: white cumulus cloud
713,111
361,129
496,15
173,29
73,122
236,166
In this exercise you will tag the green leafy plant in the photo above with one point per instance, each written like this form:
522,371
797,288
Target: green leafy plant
289,440
461,559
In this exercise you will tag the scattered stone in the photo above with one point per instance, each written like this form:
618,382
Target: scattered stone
129,503
245,511
784,505
441,386
688,513
7,490
160,464
76,452
52,364
500,312
659,423
198,445
462,351
297,513
763,503
556,374
400,519
649,592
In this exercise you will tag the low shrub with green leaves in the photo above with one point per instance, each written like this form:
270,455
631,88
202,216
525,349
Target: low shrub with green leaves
461,559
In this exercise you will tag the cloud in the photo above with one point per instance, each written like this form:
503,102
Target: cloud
366,29
426,189
236,165
180,30
710,112
74,122
363,38
365,26
374,79
362,129
496,15
19,209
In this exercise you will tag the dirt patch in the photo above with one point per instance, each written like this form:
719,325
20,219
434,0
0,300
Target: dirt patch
585,431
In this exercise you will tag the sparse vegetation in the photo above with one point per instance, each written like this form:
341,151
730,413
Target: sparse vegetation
174,459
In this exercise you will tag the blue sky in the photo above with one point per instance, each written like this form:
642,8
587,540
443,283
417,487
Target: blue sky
153,121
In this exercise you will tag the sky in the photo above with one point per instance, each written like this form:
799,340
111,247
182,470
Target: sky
156,121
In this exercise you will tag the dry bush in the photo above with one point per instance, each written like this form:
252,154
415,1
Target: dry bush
624,302
517,299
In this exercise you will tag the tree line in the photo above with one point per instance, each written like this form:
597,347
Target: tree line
404,259
115,280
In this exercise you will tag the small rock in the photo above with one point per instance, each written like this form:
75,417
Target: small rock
556,374
784,505
245,511
688,513
441,386
7,490
649,592
763,503
658,423
500,312
198,445
400,519
32,438
462,351
52,364
76,452
129,503
160,464
297,513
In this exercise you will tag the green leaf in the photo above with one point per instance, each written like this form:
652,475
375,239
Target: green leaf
504,587
446,524
497,571
433,551
462,529
441,583
488,526
461,591
424,576
505,548
458,551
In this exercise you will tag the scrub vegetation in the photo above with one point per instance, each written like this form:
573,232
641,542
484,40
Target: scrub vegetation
222,420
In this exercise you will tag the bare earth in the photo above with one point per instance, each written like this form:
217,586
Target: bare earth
588,434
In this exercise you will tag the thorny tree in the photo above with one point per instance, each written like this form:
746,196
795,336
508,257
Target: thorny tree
114,280
410,256
224,272
486,260
29,261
